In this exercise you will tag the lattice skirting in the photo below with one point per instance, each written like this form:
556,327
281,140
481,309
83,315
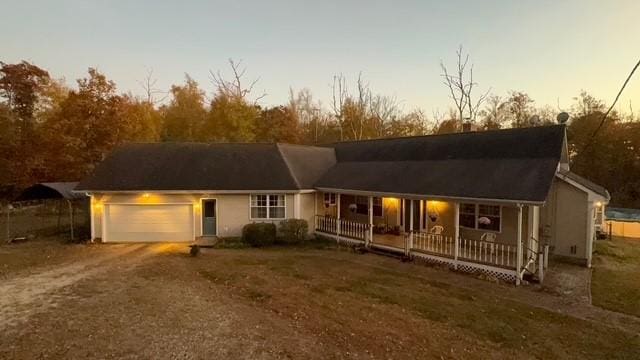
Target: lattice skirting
341,239
345,240
471,268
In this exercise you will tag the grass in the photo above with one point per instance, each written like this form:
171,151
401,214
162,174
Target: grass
616,276
274,277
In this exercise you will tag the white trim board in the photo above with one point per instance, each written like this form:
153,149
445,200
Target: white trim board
429,197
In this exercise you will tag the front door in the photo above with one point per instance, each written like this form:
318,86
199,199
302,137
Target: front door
416,215
209,217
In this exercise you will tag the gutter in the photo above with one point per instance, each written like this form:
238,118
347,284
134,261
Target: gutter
430,197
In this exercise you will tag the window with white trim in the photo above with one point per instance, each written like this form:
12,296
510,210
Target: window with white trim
481,217
268,206
330,199
489,217
362,205
468,215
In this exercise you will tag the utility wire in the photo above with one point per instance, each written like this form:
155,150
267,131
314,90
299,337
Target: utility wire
604,118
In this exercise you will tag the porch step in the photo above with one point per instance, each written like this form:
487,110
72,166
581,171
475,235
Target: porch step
383,252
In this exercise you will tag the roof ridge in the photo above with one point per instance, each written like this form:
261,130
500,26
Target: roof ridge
288,165
450,134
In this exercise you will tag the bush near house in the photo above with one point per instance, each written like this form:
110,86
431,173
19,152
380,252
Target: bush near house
259,234
293,231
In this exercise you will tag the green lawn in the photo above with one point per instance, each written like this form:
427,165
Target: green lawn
616,275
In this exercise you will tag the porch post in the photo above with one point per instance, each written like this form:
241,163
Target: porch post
296,205
338,216
369,238
421,214
456,234
519,251
411,210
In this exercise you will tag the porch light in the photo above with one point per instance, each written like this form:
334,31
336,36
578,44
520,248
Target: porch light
145,195
598,204
432,210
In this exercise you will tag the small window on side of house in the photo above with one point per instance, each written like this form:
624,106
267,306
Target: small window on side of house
330,199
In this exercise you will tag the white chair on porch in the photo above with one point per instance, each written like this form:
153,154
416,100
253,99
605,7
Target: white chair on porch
436,232
491,239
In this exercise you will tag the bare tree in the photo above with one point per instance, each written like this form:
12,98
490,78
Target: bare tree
235,88
150,90
383,110
339,95
461,86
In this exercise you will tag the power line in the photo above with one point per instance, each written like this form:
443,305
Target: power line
604,118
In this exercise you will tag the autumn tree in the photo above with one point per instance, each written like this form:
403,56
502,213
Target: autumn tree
183,119
520,108
609,158
21,89
278,124
90,122
234,108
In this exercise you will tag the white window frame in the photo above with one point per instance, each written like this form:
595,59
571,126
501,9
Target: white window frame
477,216
284,198
332,198
367,203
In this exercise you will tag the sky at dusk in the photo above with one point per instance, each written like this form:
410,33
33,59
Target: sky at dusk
549,49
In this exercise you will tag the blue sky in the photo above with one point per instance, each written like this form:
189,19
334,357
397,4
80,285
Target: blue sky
550,49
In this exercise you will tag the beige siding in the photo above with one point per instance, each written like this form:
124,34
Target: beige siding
507,235
565,221
390,209
233,209
307,203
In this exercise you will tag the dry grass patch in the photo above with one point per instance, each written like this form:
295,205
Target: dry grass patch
616,276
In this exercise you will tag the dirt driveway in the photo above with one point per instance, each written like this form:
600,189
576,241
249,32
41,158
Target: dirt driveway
154,301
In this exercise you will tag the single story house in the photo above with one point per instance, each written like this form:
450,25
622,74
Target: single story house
493,201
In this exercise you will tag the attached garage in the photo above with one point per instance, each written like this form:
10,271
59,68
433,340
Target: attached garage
148,223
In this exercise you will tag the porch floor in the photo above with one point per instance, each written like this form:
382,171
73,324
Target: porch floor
396,241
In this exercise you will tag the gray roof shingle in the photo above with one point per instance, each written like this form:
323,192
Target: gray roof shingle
199,166
513,164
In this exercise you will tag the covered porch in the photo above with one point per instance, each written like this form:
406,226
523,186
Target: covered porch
500,239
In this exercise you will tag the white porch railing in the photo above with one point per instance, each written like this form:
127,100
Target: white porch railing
490,253
326,224
354,229
348,228
434,243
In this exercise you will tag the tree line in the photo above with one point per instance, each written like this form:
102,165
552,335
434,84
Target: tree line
50,131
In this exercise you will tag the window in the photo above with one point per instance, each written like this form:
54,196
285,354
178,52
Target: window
468,215
267,207
481,216
329,199
362,205
489,217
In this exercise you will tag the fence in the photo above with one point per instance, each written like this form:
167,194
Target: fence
44,218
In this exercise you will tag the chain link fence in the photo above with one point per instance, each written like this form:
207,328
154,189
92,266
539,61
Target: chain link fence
26,220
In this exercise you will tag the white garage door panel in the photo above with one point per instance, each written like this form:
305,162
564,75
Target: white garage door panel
137,223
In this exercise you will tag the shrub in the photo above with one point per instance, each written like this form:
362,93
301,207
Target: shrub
293,231
259,234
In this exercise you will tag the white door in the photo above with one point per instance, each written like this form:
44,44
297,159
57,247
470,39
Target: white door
148,223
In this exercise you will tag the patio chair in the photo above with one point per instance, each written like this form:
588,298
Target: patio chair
490,238
436,231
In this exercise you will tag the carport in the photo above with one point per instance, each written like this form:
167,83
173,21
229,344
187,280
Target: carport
37,194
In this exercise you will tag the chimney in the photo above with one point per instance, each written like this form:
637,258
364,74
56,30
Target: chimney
468,126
